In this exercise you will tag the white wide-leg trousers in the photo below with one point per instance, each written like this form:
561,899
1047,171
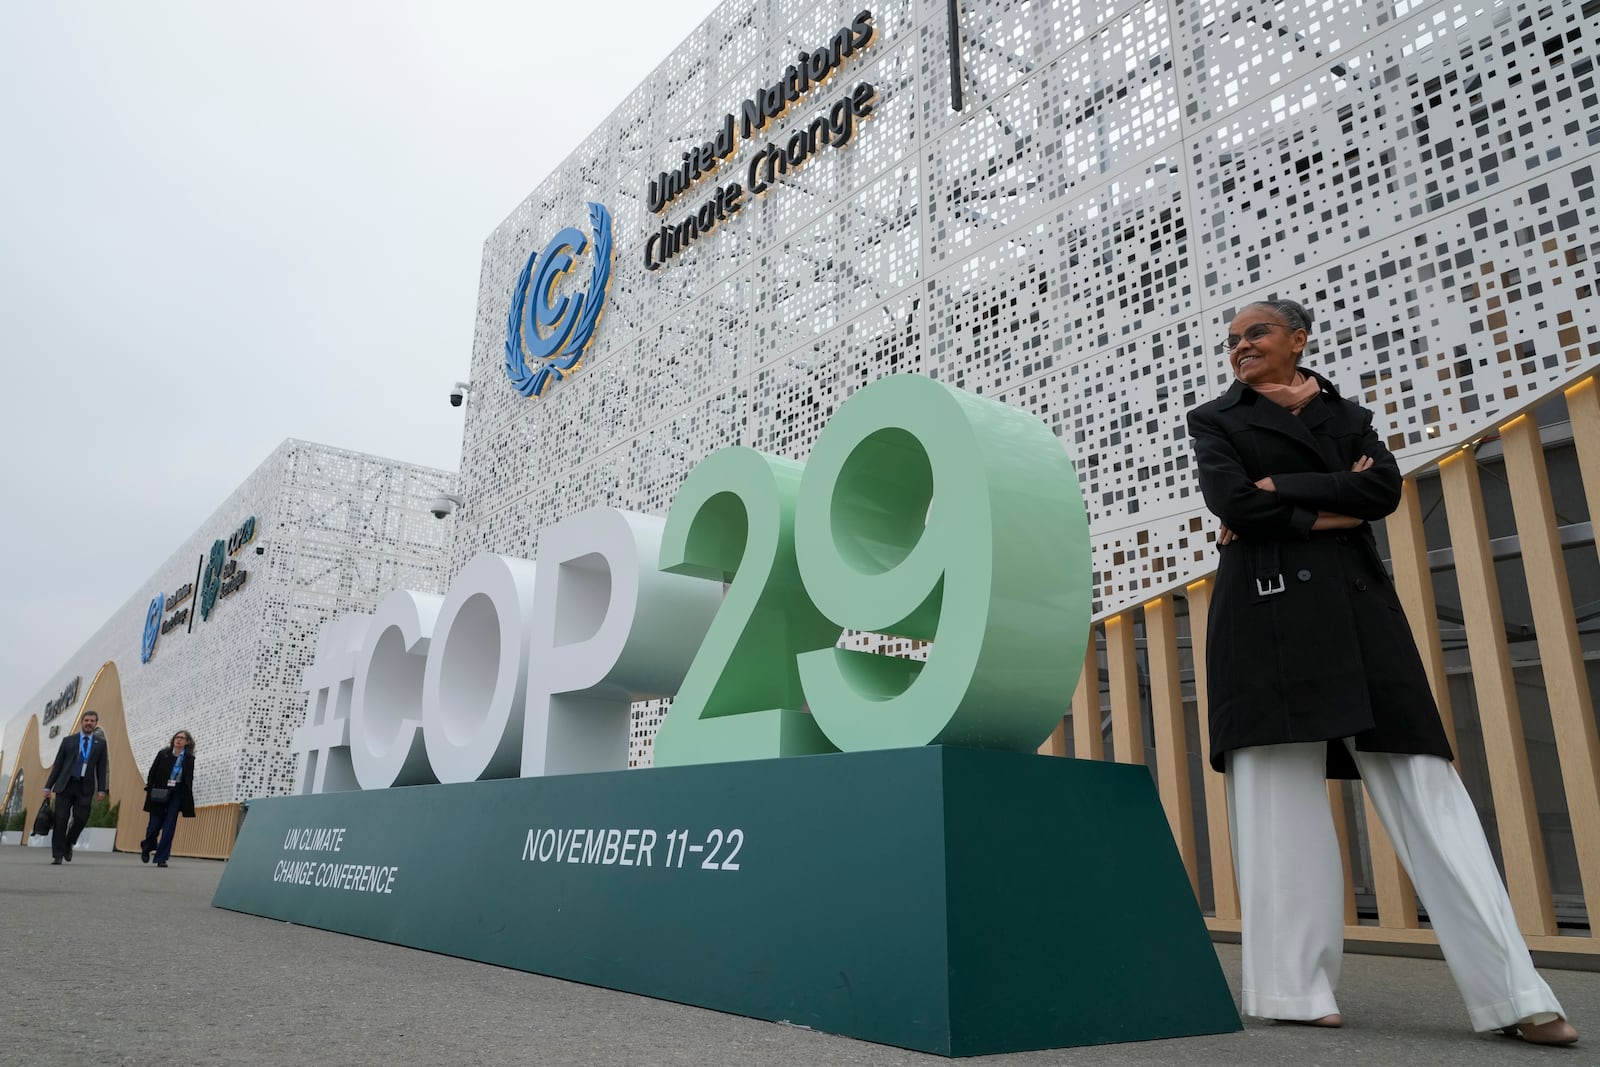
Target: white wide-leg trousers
1291,882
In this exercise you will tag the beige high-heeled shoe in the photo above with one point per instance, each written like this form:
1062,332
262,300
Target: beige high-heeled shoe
1555,1032
1330,1021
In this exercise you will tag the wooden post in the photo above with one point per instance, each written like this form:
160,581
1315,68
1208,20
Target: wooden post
1560,655
1413,580
1127,732
1224,888
1397,899
1056,743
1341,827
1583,408
1172,746
1521,847
1088,742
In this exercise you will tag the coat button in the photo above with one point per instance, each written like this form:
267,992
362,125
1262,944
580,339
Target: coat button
1303,575
1343,539
1361,584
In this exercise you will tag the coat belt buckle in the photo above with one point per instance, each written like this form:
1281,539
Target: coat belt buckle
1269,586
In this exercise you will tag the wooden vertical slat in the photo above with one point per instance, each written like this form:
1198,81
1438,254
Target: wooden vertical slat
1172,744
1056,743
1088,742
1341,827
1397,898
1583,409
209,835
1413,580
1521,847
1122,664
1560,654
1224,888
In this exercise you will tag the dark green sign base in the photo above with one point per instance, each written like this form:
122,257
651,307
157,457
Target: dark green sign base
949,900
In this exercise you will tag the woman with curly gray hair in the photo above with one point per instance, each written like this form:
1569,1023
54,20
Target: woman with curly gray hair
1311,674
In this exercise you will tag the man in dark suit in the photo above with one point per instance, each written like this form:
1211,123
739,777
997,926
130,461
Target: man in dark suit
80,776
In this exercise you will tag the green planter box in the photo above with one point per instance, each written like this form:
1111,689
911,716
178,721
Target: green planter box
954,901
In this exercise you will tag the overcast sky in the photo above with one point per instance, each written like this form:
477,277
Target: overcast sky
224,224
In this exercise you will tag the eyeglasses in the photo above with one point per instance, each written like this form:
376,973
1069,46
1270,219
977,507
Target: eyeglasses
1253,334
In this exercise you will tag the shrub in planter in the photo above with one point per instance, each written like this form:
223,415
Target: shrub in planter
103,813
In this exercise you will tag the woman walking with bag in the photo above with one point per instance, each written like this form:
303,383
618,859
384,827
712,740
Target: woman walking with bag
169,790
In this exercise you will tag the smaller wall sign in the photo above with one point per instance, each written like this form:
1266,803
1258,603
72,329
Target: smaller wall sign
221,576
68,697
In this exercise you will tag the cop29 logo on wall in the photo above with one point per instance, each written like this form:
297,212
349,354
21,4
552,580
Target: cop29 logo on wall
555,333
223,576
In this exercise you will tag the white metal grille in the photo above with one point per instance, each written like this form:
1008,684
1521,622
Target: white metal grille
1123,176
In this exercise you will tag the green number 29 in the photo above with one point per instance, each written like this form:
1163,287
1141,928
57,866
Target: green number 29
923,512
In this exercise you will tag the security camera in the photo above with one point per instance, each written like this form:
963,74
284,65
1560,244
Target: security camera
459,393
444,504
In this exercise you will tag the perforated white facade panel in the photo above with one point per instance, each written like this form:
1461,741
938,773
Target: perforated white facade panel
338,530
1122,176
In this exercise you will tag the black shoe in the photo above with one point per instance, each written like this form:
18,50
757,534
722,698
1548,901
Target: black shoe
161,865
67,855
144,854
55,861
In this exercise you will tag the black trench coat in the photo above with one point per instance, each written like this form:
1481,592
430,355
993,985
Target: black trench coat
1306,639
160,771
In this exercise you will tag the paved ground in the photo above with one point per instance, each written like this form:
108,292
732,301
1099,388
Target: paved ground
224,988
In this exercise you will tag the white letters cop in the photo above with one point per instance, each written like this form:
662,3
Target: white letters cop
521,669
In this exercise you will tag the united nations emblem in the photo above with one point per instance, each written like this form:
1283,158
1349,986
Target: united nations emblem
152,627
555,334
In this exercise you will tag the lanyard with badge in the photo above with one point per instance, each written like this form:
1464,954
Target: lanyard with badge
177,771
85,746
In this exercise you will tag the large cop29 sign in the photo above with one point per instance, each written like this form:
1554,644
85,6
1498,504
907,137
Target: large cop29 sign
849,841
923,512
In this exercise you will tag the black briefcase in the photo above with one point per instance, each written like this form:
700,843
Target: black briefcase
45,821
